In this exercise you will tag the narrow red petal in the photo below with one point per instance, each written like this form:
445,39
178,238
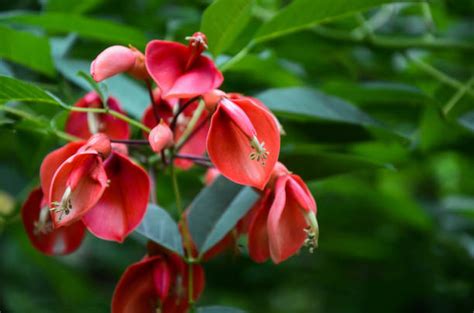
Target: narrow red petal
257,230
123,204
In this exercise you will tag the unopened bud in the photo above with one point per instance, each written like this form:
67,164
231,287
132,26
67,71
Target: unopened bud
100,143
212,98
161,137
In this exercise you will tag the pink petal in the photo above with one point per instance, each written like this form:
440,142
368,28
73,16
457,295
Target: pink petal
112,61
123,204
257,230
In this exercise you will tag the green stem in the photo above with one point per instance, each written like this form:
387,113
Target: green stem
440,76
190,127
114,113
177,194
457,96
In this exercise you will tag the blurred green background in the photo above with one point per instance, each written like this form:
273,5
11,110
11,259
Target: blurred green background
378,112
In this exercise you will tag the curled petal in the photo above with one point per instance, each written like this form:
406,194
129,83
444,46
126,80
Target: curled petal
167,63
231,151
52,162
301,193
40,230
76,187
123,204
286,223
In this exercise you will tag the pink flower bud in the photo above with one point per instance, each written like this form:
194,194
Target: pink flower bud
160,137
211,175
100,143
118,59
212,98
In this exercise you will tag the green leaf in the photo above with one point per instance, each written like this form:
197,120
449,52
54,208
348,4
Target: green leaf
216,210
467,121
86,27
72,6
159,226
218,309
301,14
12,89
133,97
306,103
309,163
99,88
26,49
222,22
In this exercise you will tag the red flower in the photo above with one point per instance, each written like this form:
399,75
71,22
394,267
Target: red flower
123,204
105,189
40,231
181,71
118,59
73,179
243,141
283,220
158,283
164,110
84,124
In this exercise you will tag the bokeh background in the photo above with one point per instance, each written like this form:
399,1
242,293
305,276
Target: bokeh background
377,112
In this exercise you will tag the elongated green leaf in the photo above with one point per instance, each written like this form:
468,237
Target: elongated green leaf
302,14
309,163
222,22
102,30
159,226
218,309
12,89
467,121
73,6
216,210
306,103
133,97
26,49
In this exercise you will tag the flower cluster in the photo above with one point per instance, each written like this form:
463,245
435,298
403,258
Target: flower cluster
93,183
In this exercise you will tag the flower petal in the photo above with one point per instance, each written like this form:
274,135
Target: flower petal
135,292
123,204
229,149
84,174
257,230
286,223
59,241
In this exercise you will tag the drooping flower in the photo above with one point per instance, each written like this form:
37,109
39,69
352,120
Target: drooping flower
39,228
243,141
181,71
164,110
123,204
283,220
73,178
157,283
85,124
119,59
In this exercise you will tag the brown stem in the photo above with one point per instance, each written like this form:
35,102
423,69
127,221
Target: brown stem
180,110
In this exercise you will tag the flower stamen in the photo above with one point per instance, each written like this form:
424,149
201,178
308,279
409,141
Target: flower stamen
65,206
312,232
260,154
43,225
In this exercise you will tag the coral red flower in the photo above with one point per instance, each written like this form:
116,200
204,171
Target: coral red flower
42,235
164,110
118,59
283,220
157,283
243,141
123,204
181,71
85,124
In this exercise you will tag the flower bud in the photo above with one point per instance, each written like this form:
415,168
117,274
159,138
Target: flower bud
118,59
100,143
212,98
160,137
